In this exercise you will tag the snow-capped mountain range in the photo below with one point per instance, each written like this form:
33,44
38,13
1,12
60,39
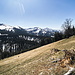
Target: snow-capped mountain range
32,31
39,31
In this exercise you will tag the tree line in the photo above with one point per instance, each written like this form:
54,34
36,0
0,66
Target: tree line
67,30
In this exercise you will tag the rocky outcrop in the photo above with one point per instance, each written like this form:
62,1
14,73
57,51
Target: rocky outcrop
66,59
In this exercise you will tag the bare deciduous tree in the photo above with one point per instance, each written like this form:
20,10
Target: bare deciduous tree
67,24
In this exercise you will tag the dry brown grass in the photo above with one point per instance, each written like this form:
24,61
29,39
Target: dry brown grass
37,61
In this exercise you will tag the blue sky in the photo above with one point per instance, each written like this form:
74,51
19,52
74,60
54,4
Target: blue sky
36,13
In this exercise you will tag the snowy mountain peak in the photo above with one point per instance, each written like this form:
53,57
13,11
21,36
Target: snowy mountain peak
9,28
41,31
6,27
48,29
37,28
18,27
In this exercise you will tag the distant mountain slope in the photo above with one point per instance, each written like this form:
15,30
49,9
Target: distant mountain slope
51,59
41,32
29,31
14,30
6,27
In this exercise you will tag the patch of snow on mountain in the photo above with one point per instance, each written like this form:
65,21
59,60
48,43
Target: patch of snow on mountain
29,29
6,27
18,27
43,32
47,29
37,31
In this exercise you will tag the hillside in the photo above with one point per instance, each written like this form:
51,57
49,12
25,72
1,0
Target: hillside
53,59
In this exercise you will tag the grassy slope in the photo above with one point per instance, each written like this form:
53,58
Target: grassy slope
37,61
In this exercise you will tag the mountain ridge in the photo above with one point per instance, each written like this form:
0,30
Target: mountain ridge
37,31
41,31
